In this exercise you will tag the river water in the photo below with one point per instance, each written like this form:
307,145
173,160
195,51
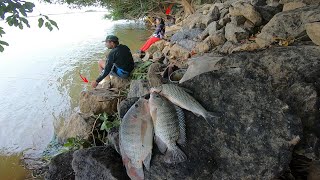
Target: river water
40,82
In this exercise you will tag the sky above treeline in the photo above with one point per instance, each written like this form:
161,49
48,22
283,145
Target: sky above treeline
47,8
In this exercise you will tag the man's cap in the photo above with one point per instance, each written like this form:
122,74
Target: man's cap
111,38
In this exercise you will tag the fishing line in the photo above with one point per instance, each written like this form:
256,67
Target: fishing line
27,78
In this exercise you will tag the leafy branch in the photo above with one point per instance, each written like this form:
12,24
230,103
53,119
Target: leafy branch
15,13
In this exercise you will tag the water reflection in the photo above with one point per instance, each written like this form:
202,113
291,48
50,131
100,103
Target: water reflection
40,85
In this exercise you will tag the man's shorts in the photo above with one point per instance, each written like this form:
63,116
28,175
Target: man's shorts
116,71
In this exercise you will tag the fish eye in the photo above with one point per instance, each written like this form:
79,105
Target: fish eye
136,105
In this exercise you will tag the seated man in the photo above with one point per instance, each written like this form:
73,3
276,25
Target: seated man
119,62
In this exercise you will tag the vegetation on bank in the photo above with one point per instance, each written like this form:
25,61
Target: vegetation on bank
15,12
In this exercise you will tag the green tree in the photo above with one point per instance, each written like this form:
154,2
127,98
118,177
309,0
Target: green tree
15,13
133,9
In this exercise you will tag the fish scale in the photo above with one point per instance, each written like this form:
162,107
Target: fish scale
178,96
166,128
135,139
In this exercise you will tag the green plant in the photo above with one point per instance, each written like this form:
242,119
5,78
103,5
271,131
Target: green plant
141,69
75,143
107,124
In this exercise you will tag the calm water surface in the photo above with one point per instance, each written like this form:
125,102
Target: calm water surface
40,83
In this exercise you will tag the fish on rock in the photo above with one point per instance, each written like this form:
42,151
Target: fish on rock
169,129
135,139
178,96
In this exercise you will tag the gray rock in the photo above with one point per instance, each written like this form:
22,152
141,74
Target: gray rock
245,132
224,12
98,163
215,13
247,10
216,39
235,33
78,125
125,105
98,101
313,32
210,30
224,21
238,20
157,56
267,12
293,5
60,167
309,147
288,24
187,44
185,34
138,88
227,47
293,73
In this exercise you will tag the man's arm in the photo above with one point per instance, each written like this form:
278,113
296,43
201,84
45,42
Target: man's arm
108,67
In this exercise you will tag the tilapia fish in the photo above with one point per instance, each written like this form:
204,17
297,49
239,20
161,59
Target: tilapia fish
135,139
168,129
181,98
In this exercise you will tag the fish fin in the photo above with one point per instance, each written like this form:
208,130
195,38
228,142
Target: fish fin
186,90
147,160
144,126
161,145
135,173
211,117
175,155
182,126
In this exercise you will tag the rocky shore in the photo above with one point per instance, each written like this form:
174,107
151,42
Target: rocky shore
257,62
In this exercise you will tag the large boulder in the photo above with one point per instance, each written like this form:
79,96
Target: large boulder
78,125
97,101
98,163
178,51
185,34
250,140
138,88
267,12
293,72
60,167
185,38
235,33
246,10
288,24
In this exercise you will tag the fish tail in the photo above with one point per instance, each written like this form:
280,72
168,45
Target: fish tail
211,117
135,173
175,155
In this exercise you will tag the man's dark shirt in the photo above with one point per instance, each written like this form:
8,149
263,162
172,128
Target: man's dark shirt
119,56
